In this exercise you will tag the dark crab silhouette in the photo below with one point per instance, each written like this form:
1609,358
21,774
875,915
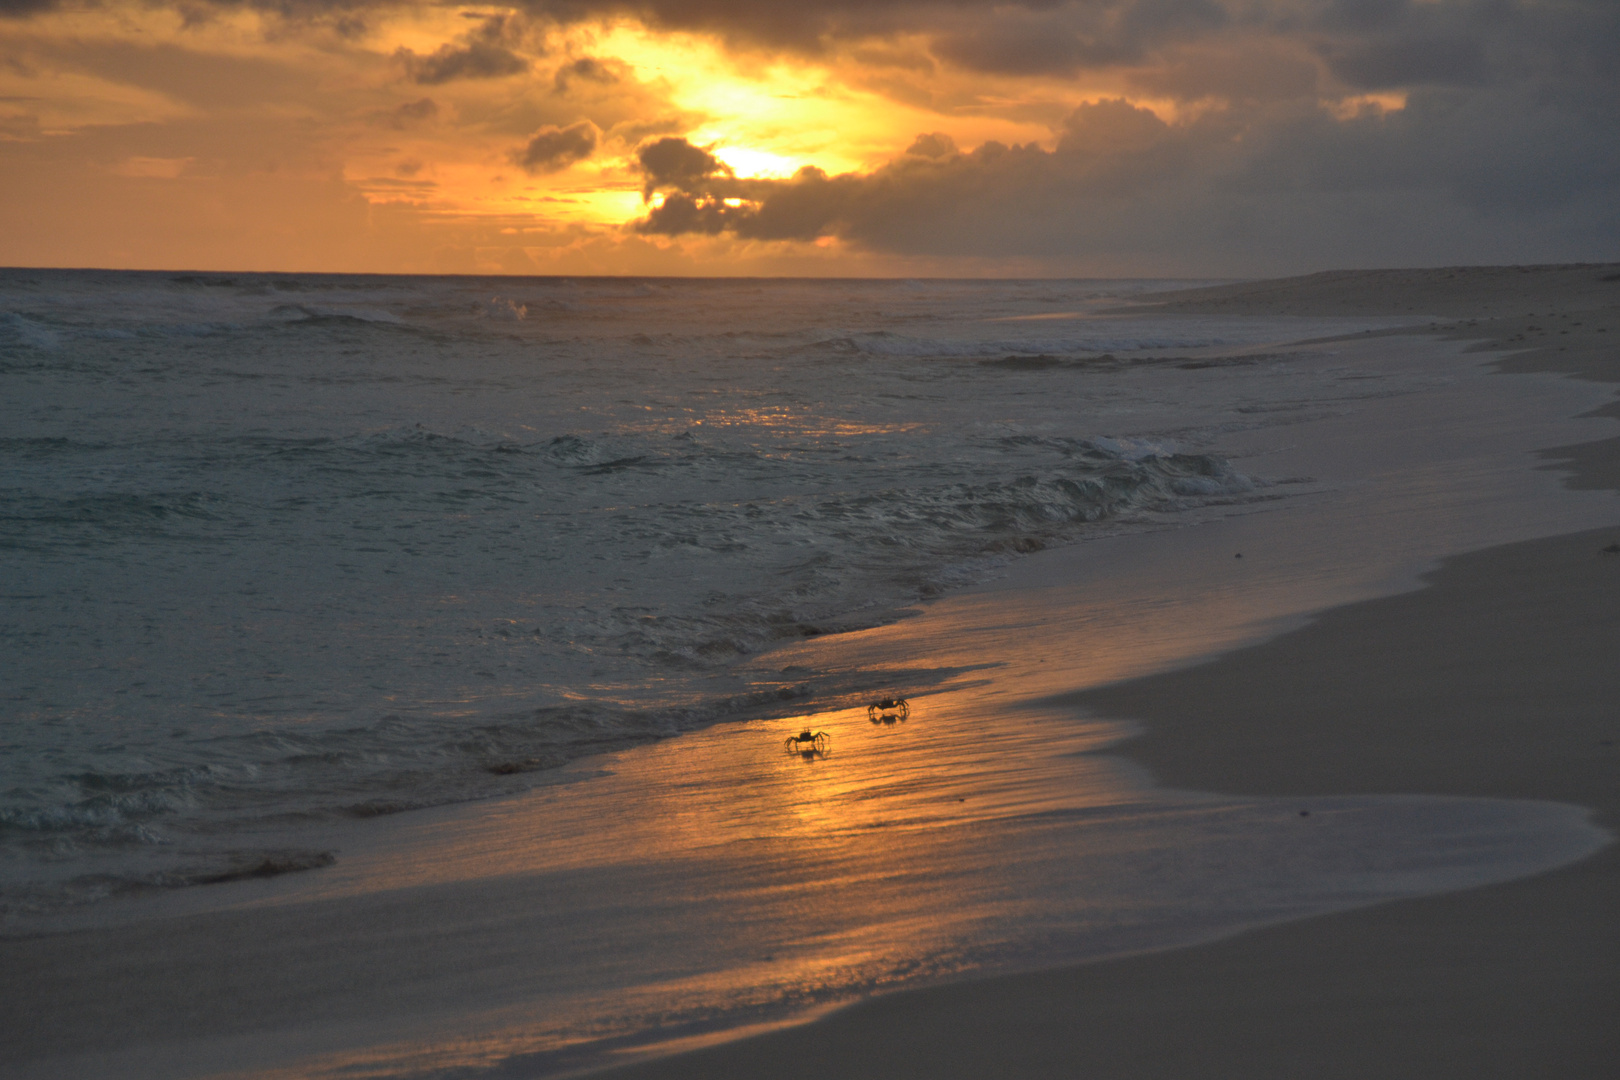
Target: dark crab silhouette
888,710
807,742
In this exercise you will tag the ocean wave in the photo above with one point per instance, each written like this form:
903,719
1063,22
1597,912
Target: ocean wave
393,764
1012,352
312,315
32,520
21,331
884,548
134,877
502,309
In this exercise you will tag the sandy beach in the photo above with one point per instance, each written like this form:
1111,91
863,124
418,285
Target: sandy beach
425,950
1496,679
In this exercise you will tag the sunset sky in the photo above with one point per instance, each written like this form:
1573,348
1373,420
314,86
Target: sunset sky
1093,137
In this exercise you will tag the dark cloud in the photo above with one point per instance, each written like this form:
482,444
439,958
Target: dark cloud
1242,71
553,149
1057,39
1182,18
449,62
1383,65
1006,26
1023,42
1457,175
1365,14
342,16
810,205
676,163
1112,128
1107,148
1370,44
708,198
16,9
587,68
1364,43
800,26
483,53
935,144
414,112
681,214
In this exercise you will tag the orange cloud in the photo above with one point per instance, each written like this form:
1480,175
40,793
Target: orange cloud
1185,135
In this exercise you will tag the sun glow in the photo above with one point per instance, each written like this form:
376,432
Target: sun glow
756,163
168,132
764,119
432,115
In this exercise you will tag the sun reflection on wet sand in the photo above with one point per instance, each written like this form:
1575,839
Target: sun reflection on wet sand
719,881
718,878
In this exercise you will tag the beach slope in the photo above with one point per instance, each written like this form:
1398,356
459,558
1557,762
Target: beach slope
1498,679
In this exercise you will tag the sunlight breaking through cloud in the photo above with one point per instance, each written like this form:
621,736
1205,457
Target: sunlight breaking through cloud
1188,136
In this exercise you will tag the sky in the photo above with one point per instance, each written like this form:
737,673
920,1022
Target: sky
1168,138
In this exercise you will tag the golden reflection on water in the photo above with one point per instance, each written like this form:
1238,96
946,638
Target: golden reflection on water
835,869
781,420
759,881
978,747
785,878
809,876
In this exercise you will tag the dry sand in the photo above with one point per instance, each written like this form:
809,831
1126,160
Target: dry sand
1499,679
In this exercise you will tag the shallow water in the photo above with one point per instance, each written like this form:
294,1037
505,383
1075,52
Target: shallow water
287,547
737,888
718,883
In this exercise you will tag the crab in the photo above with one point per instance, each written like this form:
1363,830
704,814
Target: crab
806,742
888,710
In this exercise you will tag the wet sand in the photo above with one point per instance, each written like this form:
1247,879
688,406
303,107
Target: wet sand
1500,679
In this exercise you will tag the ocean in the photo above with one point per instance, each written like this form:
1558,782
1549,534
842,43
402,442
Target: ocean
283,554
281,546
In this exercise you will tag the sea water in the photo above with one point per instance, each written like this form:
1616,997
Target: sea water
283,546
284,555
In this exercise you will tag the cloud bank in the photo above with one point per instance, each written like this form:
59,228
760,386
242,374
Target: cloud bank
1151,136
1295,185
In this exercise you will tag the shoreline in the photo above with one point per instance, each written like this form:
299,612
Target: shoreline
1510,980
1505,655
954,1029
